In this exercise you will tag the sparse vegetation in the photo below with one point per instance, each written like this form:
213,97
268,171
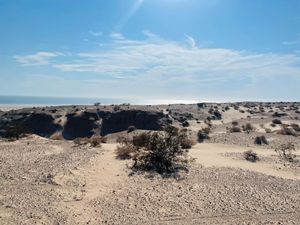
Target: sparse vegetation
285,152
276,121
94,141
251,156
163,152
261,140
248,127
125,149
203,134
235,129
131,129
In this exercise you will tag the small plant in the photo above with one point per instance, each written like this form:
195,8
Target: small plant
251,156
248,127
268,130
276,121
285,151
203,134
125,149
131,129
235,123
261,140
185,124
235,129
94,141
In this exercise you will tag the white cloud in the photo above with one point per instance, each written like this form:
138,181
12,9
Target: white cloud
155,59
290,42
161,59
39,58
116,35
95,33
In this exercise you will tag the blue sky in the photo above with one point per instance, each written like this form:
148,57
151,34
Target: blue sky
151,50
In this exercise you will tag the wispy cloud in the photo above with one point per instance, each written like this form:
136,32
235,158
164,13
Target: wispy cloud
163,60
191,41
95,33
290,42
116,35
39,58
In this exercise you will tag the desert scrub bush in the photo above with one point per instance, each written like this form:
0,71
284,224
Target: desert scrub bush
185,124
276,121
94,141
131,129
248,127
203,134
285,151
251,156
125,149
259,140
268,130
185,141
235,129
235,123
159,151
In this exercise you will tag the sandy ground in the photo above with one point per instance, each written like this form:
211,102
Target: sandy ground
54,182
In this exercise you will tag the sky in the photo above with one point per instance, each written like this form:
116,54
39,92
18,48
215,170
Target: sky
151,50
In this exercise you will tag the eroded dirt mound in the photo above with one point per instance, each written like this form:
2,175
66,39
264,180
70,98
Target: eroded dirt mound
73,123
120,121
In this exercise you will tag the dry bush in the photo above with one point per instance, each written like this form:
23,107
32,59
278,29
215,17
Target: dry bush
261,140
248,127
160,151
203,134
235,123
235,129
285,151
131,129
185,124
276,121
125,149
124,152
268,130
251,156
185,141
94,141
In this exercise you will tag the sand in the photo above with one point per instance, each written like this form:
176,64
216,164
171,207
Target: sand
46,181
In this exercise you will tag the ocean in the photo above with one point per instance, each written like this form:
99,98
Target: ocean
48,101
